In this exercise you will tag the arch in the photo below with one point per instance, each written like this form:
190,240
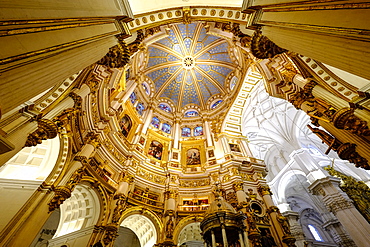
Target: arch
191,232
33,163
284,182
79,211
182,224
149,219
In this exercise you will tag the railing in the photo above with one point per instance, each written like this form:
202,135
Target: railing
202,207
145,199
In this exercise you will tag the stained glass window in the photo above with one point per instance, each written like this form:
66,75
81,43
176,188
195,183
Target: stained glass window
166,128
216,104
186,132
191,114
156,122
146,89
233,82
140,108
133,98
165,107
198,131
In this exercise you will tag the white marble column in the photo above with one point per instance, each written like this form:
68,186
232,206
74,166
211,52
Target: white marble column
176,135
341,206
148,120
207,131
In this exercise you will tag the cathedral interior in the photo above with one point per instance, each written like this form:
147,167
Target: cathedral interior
137,123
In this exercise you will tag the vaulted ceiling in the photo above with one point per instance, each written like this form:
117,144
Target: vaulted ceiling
189,65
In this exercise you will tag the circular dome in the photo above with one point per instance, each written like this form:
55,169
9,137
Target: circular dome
189,65
220,205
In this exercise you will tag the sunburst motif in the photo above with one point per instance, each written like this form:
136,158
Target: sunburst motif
189,65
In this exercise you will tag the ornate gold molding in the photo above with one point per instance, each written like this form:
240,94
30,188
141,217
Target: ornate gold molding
118,55
345,119
237,186
264,190
346,151
262,47
47,129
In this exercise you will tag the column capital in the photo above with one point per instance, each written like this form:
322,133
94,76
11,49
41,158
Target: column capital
238,185
264,190
47,129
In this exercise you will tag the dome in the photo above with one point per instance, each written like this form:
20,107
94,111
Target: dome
188,65
220,205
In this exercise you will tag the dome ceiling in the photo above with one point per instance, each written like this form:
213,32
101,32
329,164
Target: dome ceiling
189,65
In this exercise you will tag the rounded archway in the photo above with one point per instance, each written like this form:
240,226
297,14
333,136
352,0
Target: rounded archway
190,235
143,227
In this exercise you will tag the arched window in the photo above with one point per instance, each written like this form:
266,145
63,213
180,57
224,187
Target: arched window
185,132
233,82
133,97
315,233
165,107
191,114
140,108
146,88
214,105
198,131
166,128
125,125
156,122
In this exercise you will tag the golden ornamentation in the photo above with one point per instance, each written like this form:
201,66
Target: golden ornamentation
170,194
121,205
247,177
204,12
186,15
358,191
264,190
144,173
111,232
237,186
118,55
152,18
346,151
345,119
195,11
169,14
128,178
195,183
46,129
144,19
262,47
62,193
160,16
213,12
178,13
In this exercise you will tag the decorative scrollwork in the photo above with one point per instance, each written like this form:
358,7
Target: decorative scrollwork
262,47
345,119
46,129
118,55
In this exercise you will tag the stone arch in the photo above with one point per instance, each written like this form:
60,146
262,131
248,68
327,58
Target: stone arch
80,211
182,224
284,182
191,232
143,227
155,221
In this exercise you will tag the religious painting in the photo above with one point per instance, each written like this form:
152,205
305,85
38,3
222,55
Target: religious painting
166,128
193,157
185,132
198,131
175,155
125,125
211,154
234,147
165,107
140,108
155,150
142,140
156,122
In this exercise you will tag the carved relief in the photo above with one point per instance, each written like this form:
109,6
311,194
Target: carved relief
262,47
346,151
47,129
345,119
118,55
